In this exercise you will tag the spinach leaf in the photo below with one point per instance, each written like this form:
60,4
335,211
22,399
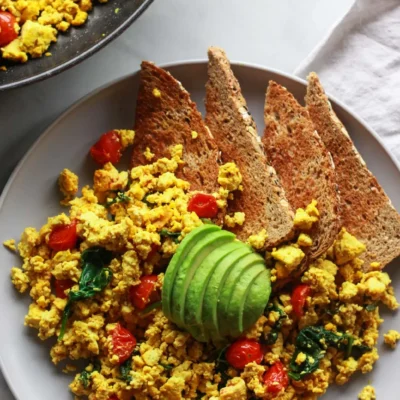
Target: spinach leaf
144,200
120,197
221,365
273,335
167,367
173,235
94,278
151,307
313,341
125,369
371,306
84,376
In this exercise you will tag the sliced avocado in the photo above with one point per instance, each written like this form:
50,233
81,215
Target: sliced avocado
233,317
228,290
187,268
215,284
188,242
256,300
197,289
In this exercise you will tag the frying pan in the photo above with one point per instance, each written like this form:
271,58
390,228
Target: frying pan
105,23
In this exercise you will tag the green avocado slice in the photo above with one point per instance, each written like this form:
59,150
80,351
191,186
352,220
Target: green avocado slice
229,291
189,266
222,282
233,316
197,289
211,295
188,242
256,300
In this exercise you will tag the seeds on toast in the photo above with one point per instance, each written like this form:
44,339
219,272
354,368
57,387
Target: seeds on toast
365,210
302,163
262,200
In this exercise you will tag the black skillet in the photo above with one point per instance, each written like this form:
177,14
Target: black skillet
103,25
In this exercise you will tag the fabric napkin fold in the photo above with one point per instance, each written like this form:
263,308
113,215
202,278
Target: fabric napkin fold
359,63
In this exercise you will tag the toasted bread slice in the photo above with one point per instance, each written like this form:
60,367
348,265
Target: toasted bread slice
366,211
262,200
302,163
166,116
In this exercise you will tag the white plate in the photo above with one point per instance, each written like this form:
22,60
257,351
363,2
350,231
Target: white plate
31,195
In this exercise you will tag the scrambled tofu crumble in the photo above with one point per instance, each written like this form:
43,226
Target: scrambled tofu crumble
38,23
139,217
391,338
367,393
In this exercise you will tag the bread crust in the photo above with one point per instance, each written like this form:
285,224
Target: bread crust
366,211
262,200
302,162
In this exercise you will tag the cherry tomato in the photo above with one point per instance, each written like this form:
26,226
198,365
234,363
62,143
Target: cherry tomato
242,352
299,296
61,285
63,237
153,251
276,378
7,30
113,397
204,205
123,343
107,149
144,293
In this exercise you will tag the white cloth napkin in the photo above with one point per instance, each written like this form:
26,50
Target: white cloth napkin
359,63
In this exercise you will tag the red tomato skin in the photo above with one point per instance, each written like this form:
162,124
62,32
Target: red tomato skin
141,295
60,285
242,352
123,343
204,205
63,237
276,378
7,30
107,149
299,296
113,397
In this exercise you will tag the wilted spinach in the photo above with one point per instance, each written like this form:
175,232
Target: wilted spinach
221,365
125,369
313,341
272,337
119,197
84,376
173,235
94,278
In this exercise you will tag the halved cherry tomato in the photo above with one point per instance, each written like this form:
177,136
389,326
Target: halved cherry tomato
7,30
113,397
107,149
299,296
204,205
144,293
63,237
61,285
123,343
276,378
242,352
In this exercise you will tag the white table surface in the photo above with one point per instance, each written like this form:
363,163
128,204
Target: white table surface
274,33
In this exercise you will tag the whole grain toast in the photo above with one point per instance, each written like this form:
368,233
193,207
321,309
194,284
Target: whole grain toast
262,200
166,116
302,163
366,211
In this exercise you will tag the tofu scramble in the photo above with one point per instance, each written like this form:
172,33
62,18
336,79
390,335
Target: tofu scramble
314,332
29,27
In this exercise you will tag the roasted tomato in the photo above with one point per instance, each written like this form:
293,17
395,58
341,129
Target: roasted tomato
276,378
299,296
123,343
145,293
63,237
61,285
7,28
204,205
107,149
242,352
